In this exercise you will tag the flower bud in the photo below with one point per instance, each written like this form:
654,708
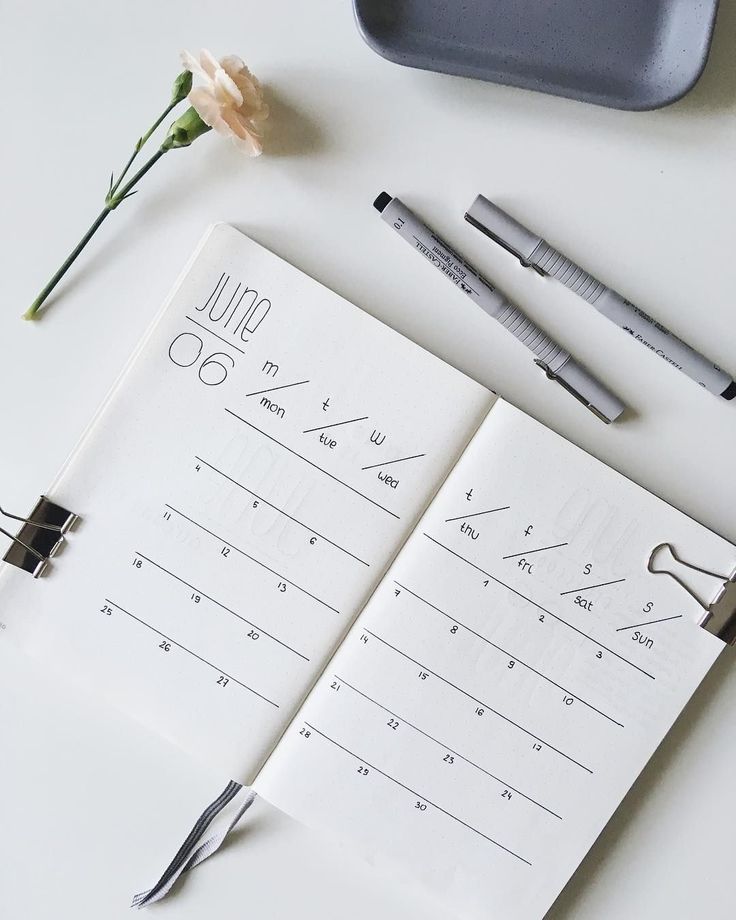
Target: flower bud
185,130
182,86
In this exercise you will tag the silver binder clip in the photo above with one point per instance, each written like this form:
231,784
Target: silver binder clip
719,617
40,536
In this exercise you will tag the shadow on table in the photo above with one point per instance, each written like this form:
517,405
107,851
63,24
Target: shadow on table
290,132
716,88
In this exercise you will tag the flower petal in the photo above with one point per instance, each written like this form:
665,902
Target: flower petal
232,64
242,136
236,123
227,90
261,115
249,87
208,62
249,146
229,99
206,105
191,64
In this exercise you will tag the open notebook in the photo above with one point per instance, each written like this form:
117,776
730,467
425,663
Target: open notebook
339,570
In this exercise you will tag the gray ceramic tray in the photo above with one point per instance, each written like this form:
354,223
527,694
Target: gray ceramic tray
628,54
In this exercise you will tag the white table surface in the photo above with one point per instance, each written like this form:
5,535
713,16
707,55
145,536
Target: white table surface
91,805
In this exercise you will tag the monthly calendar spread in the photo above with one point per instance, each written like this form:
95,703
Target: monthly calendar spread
339,570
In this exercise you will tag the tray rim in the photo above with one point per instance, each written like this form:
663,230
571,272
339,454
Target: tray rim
418,62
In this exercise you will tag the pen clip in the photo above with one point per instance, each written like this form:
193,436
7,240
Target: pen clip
502,243
570,389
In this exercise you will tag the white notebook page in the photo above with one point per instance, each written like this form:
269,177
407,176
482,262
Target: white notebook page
240,496
498,695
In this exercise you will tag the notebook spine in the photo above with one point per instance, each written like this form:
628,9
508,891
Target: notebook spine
40,536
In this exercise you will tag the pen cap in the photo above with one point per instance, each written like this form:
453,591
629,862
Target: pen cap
589,390
501,227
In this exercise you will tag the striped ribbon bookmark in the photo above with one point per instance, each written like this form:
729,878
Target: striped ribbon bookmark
191,853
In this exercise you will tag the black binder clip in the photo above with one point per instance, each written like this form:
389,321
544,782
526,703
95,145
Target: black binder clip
719,617
40,537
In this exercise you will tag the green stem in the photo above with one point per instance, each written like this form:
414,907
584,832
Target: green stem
66,265
110,205
137,149
126,189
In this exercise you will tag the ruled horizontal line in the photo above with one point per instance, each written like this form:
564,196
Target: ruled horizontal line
311,463
476,514
480,702
284,386
207,329
603,584
281,511
650,623
528,552
222,606
540,607
423,798
389,462
509,655
253,559
348,421
446,747
190,652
